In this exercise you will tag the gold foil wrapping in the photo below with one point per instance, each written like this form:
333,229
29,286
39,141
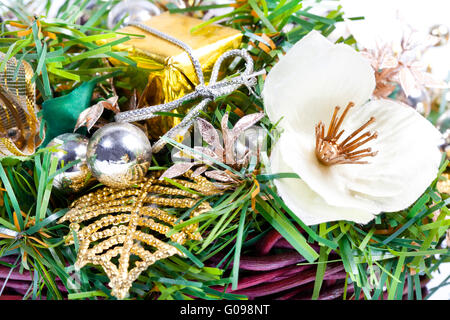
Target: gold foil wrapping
169,71
19,125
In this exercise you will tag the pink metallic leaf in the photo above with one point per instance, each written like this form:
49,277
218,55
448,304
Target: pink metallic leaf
225,130
388,61
243,160
408,82
227,141
111,104
89,116
133,101
182,156
427,79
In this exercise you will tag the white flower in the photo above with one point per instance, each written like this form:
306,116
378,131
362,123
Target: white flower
402,156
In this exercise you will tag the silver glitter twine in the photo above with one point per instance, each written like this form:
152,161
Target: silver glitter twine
208,93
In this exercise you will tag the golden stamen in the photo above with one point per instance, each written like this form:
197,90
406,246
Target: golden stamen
329,151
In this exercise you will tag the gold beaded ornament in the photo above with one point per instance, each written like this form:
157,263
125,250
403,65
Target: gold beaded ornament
117,224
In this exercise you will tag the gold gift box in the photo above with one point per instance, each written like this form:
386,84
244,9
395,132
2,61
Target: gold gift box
167,67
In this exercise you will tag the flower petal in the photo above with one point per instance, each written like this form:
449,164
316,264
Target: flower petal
407,161
314,77
309,206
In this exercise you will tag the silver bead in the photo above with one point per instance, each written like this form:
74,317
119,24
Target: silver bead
71,147
119,155
131,10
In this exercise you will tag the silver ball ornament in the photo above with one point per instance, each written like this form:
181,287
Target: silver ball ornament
119,155
71,147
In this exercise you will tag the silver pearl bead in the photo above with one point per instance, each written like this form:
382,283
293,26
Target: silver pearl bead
119,155
71,147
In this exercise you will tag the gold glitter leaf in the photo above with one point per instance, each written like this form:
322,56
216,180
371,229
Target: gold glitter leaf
113,226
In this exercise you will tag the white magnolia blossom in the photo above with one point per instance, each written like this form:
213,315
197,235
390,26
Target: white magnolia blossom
302,90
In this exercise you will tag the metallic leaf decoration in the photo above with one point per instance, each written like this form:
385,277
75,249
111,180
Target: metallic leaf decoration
19,125
90,116
114,227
